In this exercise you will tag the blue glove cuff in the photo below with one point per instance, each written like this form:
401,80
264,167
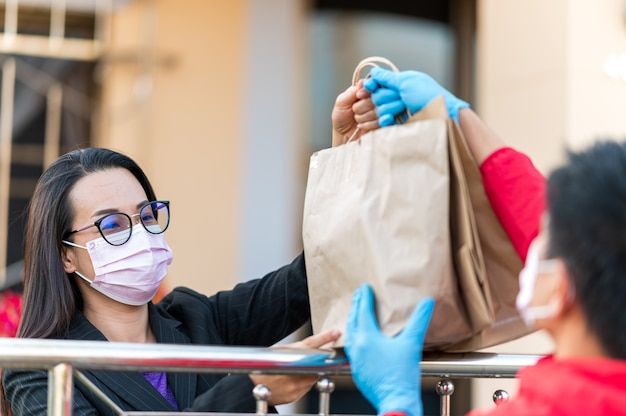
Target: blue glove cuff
454,105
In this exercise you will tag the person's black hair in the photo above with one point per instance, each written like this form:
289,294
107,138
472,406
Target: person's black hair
587,229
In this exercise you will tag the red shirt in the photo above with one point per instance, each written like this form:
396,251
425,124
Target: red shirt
10,311
574,386
568,387
516,190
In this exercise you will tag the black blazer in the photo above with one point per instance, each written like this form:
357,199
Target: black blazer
256,313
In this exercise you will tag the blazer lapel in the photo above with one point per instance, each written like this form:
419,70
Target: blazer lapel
167,331
131,387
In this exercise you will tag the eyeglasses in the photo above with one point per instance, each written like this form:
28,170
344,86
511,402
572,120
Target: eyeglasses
116,228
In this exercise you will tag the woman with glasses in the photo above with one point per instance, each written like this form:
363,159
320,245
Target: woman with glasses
94,257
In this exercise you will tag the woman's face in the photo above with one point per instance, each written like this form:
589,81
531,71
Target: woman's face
92,197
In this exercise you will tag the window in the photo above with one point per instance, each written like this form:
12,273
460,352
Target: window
47,62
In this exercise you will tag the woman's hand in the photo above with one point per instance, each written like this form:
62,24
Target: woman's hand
353,115
289,388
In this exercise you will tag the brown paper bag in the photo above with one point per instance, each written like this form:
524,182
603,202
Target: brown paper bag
377,210
403,209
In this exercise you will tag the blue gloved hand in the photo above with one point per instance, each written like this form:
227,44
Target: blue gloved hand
386,370
406,90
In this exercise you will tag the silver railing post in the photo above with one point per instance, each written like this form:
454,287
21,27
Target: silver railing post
60,390
325,386
500,396
262,395
445,388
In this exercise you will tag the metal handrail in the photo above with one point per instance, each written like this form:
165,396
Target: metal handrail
63,359
119,356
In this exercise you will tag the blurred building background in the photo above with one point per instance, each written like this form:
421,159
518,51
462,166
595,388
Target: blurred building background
223,102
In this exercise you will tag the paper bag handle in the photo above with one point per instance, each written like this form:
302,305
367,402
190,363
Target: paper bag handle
371,62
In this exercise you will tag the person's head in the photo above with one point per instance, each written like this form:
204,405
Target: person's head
586,234
73,192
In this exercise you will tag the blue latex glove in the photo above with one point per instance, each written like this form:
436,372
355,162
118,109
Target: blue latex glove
406,90
386,370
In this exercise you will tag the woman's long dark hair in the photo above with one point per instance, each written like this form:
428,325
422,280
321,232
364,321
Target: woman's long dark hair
50,297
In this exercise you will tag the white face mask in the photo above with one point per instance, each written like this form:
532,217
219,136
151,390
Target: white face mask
130,273
527,281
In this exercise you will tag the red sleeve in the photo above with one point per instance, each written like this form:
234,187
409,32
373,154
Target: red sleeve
516,190
10,311
395,413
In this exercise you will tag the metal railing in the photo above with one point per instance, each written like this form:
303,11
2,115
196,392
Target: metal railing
64,358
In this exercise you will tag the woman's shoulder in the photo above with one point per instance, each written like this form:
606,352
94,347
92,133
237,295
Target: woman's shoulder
180,308
181,295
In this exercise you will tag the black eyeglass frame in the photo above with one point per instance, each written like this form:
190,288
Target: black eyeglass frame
130,221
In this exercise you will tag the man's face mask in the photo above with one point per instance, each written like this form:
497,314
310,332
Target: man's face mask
527,282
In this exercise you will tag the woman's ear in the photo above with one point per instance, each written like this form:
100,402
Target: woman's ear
68,259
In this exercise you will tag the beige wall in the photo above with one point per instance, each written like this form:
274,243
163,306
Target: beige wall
185,131
182,78
540,76
596,103
542,86
522,73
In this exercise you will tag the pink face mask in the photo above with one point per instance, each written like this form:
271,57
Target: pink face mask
130,273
